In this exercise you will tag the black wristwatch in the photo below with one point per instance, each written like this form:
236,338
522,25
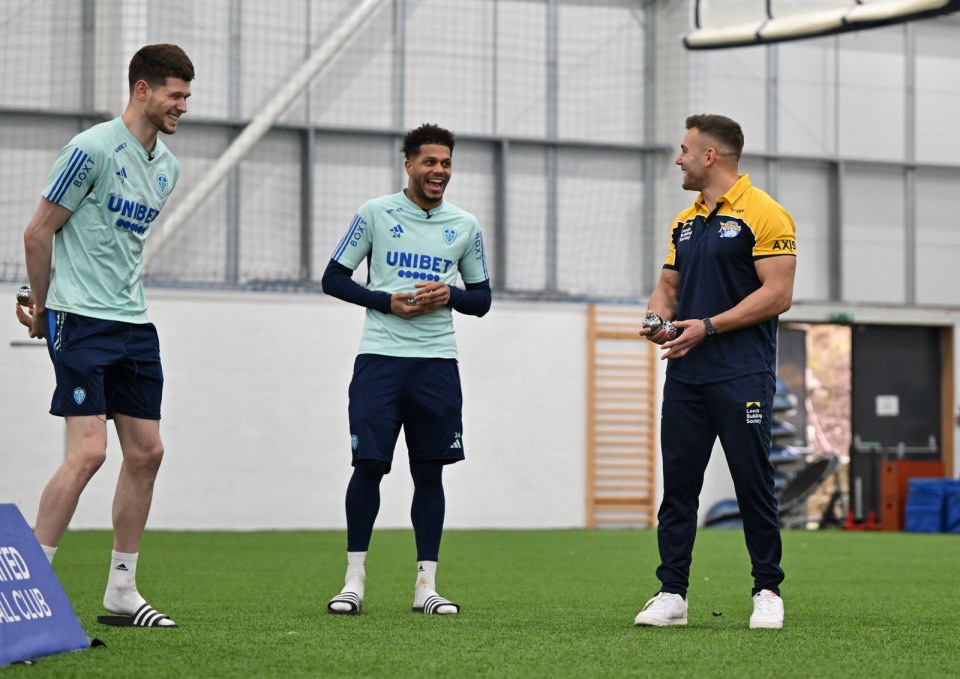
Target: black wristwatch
711,331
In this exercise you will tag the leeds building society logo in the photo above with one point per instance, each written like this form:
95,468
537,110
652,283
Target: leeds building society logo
754,416
729,229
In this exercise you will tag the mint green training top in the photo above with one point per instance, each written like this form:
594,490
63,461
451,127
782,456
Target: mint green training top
404,245
115,190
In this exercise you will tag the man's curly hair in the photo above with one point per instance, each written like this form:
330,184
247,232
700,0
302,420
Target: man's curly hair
426,134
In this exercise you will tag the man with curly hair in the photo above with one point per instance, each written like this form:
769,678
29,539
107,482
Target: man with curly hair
406,373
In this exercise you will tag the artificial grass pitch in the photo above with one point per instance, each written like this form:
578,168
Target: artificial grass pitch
535,604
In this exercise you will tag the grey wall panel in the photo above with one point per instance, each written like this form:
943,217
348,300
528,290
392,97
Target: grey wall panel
52,35
938,238
599,222
873,236
808,97
355,88
269,214
526,234
451,73
871,107
521,73
600,72
938,91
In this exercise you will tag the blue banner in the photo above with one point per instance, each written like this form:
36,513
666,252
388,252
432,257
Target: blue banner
36,618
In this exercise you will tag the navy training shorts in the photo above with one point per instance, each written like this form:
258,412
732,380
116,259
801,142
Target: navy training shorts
104,367
422,395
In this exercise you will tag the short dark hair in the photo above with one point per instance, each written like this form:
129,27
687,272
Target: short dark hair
426,134
723,130
156,63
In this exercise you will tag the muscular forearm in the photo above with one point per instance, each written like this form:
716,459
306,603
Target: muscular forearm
38,248
663,299
773,297
39,255
755,308
664,308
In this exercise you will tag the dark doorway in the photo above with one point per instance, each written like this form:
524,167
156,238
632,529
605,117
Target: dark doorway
896,404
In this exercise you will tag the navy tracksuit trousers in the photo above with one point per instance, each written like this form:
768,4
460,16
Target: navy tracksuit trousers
739,412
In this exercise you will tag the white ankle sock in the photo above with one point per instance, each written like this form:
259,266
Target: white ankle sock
122,596
356,562
49,551
427,575
355,579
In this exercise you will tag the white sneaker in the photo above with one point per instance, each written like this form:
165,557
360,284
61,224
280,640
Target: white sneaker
767,611
663,610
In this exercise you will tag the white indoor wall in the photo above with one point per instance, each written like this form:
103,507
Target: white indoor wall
255,418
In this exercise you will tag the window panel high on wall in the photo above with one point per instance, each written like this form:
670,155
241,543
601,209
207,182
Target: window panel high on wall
356,89
52,36
598,215
520,71
807,97
527,256
448,64
938,90
601,71
871,87
269,236
274,42
938,238
873,236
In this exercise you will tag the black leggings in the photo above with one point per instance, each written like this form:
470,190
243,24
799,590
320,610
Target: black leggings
426,512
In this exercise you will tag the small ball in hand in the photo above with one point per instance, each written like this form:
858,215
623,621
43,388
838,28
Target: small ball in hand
654,322
25,295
